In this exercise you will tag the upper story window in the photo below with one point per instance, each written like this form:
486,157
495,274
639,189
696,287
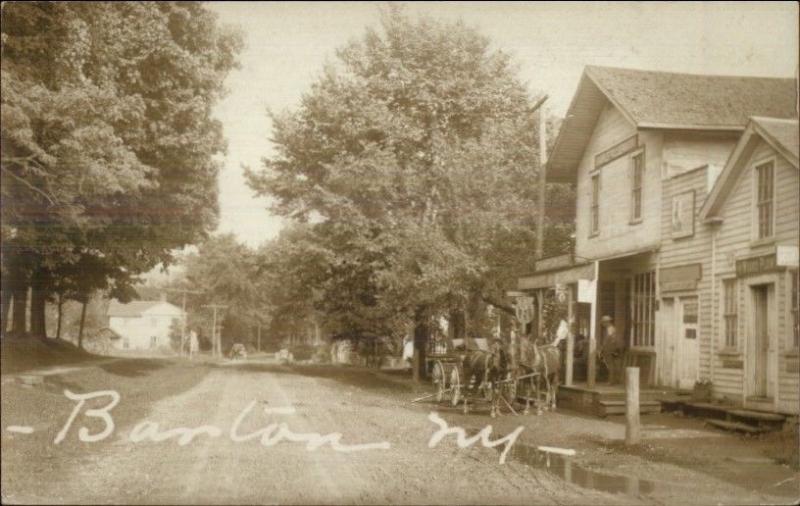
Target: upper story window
595,208
637,178
765,189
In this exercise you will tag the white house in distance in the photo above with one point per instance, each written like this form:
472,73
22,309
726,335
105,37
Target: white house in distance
143,324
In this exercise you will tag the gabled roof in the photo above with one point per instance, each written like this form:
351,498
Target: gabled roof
780,134
665,100
134,308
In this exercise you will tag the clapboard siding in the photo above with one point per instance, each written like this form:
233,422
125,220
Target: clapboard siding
689,250
617,234
735,239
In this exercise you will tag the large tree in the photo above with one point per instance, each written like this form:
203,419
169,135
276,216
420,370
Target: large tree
107,142
415,158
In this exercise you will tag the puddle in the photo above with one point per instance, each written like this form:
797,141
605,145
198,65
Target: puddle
564,468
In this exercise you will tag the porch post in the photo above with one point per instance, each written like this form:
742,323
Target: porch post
539,317
571,335
591,373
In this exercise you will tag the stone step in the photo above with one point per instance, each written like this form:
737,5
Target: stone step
736,426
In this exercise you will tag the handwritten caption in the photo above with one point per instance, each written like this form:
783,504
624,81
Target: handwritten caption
269,435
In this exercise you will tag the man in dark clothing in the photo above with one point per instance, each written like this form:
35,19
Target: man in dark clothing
613,351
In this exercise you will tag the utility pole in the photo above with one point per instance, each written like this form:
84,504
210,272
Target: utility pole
183,291
259,337
215,338
542,177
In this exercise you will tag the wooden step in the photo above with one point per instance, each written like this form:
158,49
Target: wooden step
736,426
757,415
605,408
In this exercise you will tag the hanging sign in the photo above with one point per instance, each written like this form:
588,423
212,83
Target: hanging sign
524,309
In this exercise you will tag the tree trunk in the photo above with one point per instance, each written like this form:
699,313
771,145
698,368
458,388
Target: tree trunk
60,315
5,295
421,336
38,300
20,309
83,320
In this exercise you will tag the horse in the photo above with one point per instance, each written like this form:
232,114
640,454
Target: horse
541,362
488,369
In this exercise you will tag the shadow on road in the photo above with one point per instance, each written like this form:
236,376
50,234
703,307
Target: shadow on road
134,367
370,379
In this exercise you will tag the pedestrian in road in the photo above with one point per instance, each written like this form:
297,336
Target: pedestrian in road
613,350
194,344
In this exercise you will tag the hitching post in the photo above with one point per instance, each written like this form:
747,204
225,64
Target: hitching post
632,432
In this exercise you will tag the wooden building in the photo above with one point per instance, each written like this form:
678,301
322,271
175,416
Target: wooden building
644,150
753,215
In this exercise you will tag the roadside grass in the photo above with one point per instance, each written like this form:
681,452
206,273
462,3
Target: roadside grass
23,354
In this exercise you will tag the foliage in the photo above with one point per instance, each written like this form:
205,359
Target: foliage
107,138
413,161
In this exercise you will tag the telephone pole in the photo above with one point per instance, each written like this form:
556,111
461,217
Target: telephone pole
215,338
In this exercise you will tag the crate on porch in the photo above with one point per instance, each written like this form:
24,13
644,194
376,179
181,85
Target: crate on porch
701,391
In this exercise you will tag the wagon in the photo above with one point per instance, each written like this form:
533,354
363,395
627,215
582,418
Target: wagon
450,379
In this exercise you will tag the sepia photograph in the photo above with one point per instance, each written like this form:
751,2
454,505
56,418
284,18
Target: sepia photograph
413,253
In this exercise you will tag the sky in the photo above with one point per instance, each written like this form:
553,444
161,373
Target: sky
288,43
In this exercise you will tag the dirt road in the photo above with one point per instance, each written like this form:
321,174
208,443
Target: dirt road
218,469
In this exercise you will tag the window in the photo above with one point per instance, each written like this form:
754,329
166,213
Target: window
595,204
637,167
729,313
795,301
690,317
764,200
643,310
153,341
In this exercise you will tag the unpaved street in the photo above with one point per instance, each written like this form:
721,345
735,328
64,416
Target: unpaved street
217,469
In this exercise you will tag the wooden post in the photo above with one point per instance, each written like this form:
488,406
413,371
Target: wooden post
591,364
632,429
571,335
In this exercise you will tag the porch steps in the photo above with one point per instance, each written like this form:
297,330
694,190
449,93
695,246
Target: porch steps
606,408
730,417
736,426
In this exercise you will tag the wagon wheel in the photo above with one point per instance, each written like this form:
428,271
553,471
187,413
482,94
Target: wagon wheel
455,386
440,380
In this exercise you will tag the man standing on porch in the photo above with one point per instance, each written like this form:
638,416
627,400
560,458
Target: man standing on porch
612,351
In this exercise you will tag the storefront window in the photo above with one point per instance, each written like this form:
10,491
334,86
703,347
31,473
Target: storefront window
795,322
643,310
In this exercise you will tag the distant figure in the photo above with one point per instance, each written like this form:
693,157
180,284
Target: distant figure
194,344
613,350
408,352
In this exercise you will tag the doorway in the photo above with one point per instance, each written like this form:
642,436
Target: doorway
759,356
688,353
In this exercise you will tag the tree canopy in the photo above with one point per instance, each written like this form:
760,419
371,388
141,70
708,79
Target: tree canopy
108,142
414,160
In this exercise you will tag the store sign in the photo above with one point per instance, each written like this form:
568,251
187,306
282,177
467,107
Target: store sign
615,152
586,290
757,265
684,277
524,309
683,215
787,256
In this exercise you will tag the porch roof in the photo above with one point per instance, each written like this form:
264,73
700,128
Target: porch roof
551,278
